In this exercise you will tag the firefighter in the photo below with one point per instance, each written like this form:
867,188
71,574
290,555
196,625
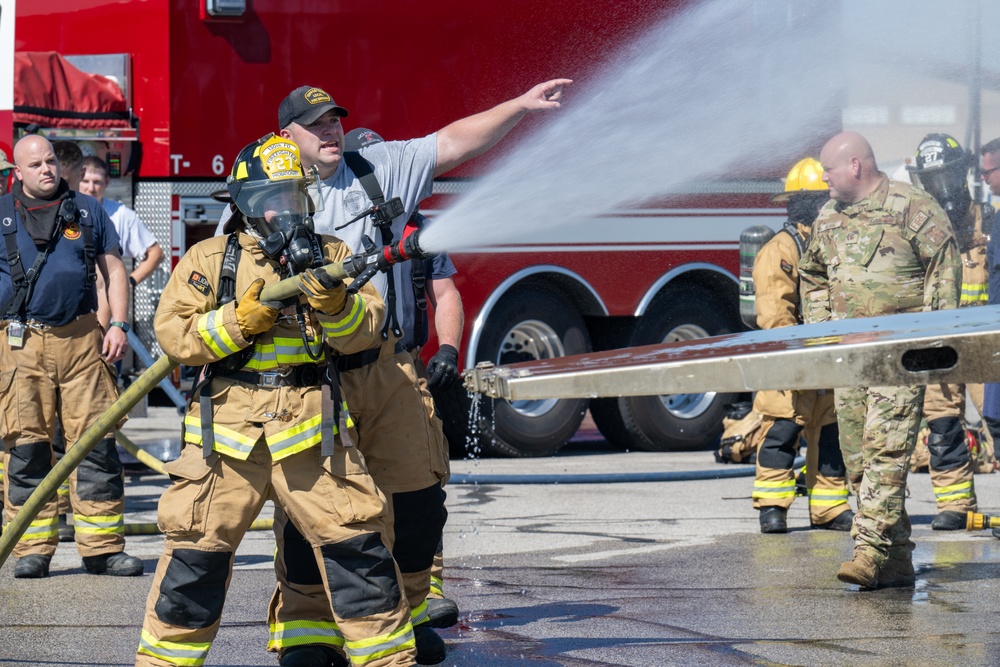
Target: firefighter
267,421
56,360
942,169
787,414
400,435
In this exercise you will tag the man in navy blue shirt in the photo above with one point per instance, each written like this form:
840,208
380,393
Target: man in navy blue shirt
56,361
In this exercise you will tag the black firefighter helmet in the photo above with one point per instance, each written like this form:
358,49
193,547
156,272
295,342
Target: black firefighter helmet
941,167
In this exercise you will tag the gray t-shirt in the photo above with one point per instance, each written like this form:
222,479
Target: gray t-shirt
404,169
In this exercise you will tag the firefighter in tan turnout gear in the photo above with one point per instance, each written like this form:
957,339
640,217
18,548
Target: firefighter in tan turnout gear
942,169
787,414
268,422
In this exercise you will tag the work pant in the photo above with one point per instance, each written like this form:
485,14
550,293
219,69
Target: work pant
878,431
951,469
787,415
58,373
403,444
206,512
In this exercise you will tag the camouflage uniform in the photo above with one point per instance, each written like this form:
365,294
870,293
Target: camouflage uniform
892,252
951,466
786,414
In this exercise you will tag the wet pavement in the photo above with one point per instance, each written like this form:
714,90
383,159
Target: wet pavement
582,574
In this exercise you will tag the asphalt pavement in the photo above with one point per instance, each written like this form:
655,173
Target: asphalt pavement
579,572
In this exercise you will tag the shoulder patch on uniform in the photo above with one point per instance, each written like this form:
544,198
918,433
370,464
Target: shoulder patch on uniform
917,221
200,283
786,267
936,235
830,224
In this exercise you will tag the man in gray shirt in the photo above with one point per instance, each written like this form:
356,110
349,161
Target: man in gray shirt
398,431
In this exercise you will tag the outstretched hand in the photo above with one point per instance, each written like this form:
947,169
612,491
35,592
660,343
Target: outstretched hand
545,95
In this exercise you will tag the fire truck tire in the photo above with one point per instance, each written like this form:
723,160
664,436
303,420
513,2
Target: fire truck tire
670,423
530,322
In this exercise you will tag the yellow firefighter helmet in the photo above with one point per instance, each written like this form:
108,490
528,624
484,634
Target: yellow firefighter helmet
807,174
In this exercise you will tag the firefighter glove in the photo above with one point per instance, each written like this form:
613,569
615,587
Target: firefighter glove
253,316
324,292
442,371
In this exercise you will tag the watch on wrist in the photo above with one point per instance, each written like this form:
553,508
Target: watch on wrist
121,325
132,282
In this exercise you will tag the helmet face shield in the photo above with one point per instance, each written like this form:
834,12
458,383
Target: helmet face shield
275,206
942,170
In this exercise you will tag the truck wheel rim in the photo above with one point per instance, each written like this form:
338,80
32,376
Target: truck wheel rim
531,340
686,406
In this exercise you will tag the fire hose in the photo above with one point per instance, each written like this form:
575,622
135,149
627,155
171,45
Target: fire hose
362,266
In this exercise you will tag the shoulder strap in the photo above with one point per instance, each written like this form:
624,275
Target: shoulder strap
792,231
362,168
8,218
87,230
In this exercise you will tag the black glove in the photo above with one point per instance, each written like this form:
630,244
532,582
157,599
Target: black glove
442,370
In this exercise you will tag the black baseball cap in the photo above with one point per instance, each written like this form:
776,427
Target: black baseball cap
304,105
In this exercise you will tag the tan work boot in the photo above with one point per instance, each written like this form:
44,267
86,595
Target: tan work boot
896,573
862,570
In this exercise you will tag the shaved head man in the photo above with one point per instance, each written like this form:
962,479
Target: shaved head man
35,165
849,167
881,247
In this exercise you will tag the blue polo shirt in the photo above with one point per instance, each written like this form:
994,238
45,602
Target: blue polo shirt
61,292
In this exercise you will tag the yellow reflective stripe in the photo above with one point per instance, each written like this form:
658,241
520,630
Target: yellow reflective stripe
295,439
347,417
111,524
227,441
284,352
299,633
974,293
782,489
40,529
437,586
375,648
958,491
419,614
213,332
64,489
190,654
349,324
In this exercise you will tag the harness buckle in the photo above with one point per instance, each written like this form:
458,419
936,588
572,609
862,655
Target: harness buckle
273,378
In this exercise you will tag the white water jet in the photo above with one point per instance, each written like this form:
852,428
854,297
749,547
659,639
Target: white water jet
723,90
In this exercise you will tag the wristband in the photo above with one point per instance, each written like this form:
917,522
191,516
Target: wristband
121,325
131,281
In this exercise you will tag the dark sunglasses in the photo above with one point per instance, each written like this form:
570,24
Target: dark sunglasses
986,173
5,172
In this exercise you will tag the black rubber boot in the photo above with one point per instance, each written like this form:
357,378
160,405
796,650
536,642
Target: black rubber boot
67,533
430,647
315,655
32,566
443,612
115,565
843,521
772,520
949,520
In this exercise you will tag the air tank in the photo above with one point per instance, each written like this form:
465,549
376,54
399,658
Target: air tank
752,239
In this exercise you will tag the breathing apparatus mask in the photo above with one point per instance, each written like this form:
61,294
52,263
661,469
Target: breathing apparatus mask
942,170
278,199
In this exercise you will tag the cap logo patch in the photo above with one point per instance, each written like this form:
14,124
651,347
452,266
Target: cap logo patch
317,96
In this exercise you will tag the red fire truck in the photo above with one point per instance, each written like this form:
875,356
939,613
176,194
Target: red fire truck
198,79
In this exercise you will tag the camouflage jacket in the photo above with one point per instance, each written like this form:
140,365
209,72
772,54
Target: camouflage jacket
892,252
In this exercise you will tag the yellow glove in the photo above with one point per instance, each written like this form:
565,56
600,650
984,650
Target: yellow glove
324,292
252,316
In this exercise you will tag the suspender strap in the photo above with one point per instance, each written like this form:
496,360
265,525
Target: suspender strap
363,170
419,278
225,292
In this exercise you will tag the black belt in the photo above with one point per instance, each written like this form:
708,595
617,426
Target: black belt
308,375
350,362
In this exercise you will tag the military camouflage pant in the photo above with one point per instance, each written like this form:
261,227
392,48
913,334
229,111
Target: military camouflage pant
878,431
